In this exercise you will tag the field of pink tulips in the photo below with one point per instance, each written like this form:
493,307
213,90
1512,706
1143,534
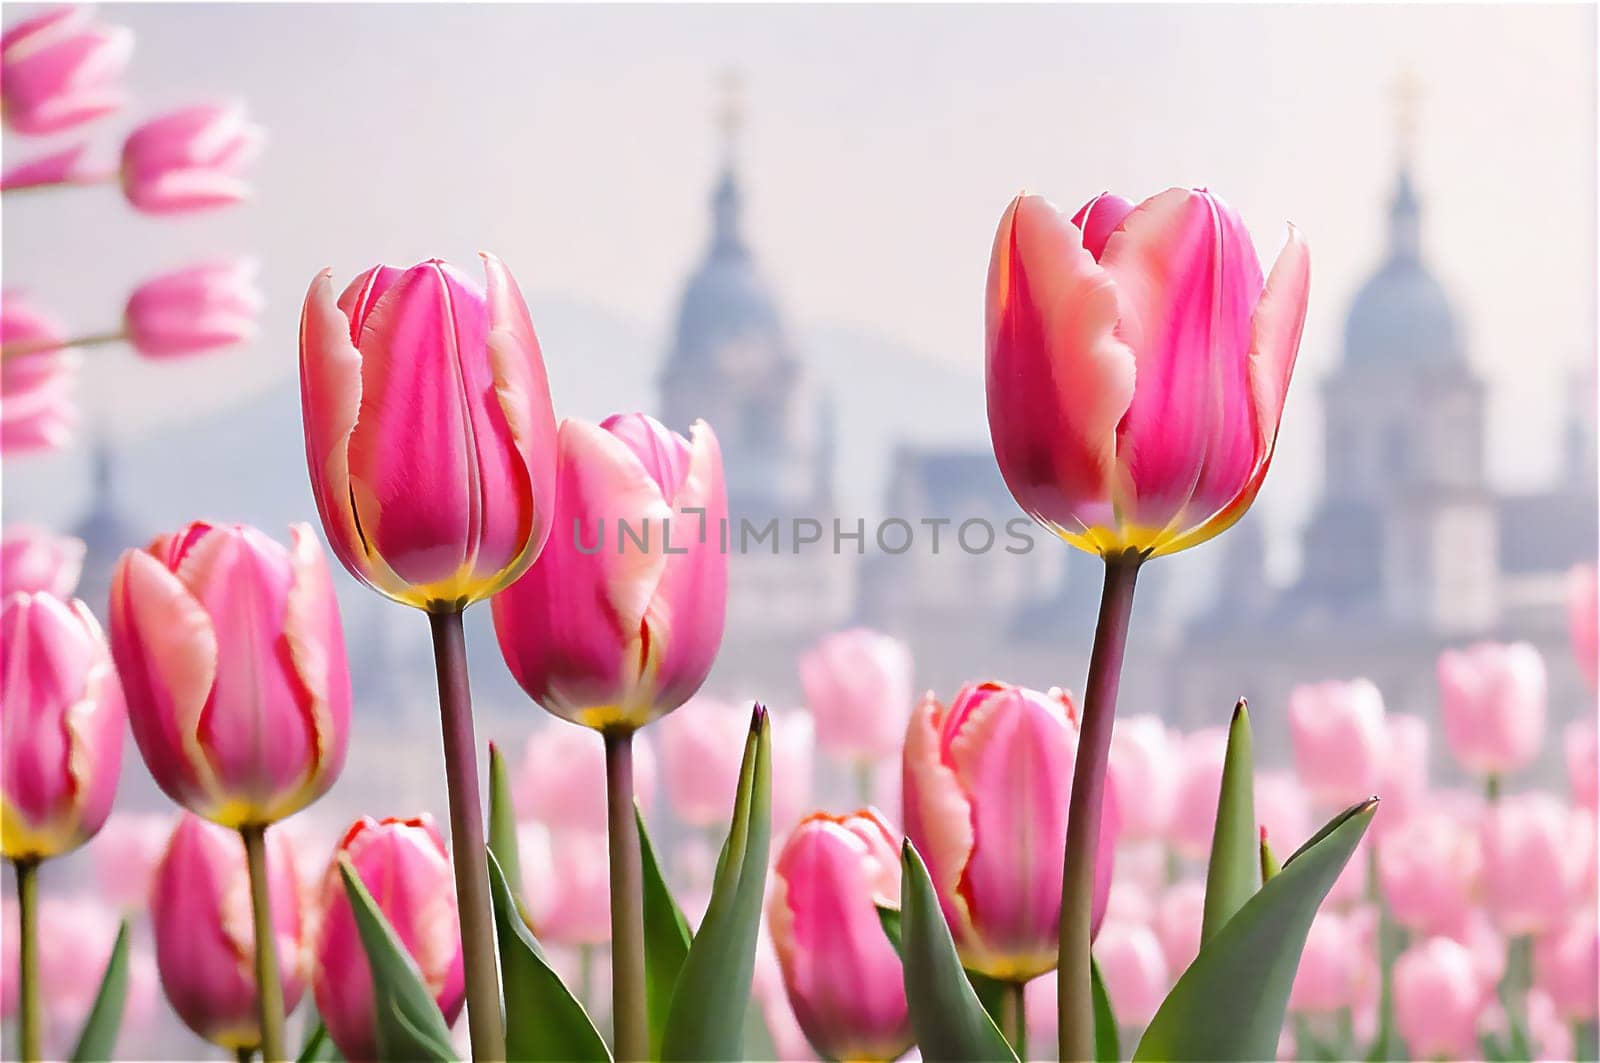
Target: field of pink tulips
1013,874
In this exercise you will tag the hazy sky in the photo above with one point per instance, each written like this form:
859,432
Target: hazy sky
882,144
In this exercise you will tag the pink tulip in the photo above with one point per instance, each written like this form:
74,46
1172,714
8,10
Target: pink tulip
1199,782
702,746
65,167
404,865
986,789
232,653
1581,744
1536,855
1437,1000
61,69
793,750
190,159
77,932
1403,775
766,986
1137,366
1282,810
603,631
1492,697
1178,921
1144,764
1331,966
1429,869
33,559
858,688
1583,619
1565,965
37,411
566,884
562,781
1339,739
205,940
193,310
1134,969
126,853
60,726
841,972
1549,1036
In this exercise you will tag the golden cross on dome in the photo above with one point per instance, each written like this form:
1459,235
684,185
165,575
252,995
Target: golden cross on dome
730,107
1407,102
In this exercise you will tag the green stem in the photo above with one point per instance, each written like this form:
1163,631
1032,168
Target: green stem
269,989
1014,1015
628,1017
1491,788
467,846
93,339
864,776
28,955
1075,988
1384,1049
586,975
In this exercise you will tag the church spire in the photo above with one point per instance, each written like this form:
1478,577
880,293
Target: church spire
726,238
1405,224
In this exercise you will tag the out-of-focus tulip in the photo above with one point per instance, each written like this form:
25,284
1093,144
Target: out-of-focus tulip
189,311
1403,777
404,865
77,932
562,782
68,166
190,159
619,619
232,654
1330,968
1581,744
766,986
1566,965
205,941
37,411
126,854
1429,868
33,559
1338,734
1194,814
1179,916
60,726
429,431
858,688
1492,697
1134,968
1282,810
702,746
1137,366
1536,854
61,69
842,975
1583,619
986,791
1548,1036
793,749
1437,999
566,884
1144,765
1353,884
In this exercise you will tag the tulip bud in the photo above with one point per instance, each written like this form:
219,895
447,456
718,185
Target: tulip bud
60,726
1134,969
841,972
1339,739
61,69
1536,854
37,411
404,865
1429,868
1492,698
32,559
858,688
190,159
987,783
190,311
429,430
619,620
1438,997
233,657
205,940
1137,366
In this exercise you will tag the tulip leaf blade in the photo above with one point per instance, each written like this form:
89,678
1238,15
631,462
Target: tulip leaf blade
706,1020
666,938
409,1024
1234,870
544,1021
316,1044
1230,1002
98,1039
1106,1048
503,823
947,1016
889,919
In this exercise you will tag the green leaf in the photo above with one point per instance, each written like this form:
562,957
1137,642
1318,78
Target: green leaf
706,1020
889,919
503,824
409,1025
316,1044
1230,1002
948,1018
1234,871
1269,862
666,939
1106,1049
544,1021
990,991
98,1039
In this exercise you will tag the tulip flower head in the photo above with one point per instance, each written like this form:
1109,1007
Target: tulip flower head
1492,697
1566,965
60,726
1137,366
61,69
429,431
1339,739
190,159
1580,742
1438,998
858,688
702,748
565,883
1430,869
232,653
190,311
37,411
33,559
619,620
562,780
1537,852
1144,767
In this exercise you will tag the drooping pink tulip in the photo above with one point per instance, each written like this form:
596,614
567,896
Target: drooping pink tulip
1536,858
61,69
194,310
619,620
126,853
1144,765
1339,737
1134,968
37,411
1492,698
1566,965
1581,744
858,687
1331,966
562,779
1583,620
1137,366
566,883
429,431
1437,999
987,782
841,972
191,159
702,746
404,865
69,166
205,940
60,726
232,654
33,559
1430,868
1403,775
1199,782
1179,917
